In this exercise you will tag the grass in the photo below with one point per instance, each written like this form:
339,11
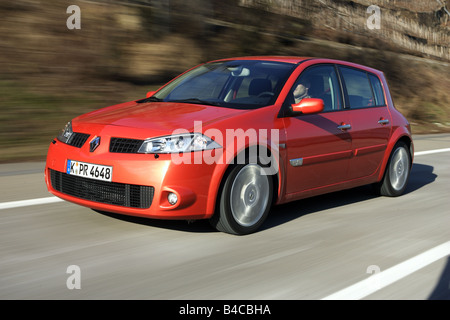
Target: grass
30,120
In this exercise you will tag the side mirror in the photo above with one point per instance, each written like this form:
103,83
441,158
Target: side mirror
150,93
308,106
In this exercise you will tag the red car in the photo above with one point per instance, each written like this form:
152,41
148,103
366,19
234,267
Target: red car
228,139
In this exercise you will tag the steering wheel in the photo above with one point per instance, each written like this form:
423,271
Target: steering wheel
265,93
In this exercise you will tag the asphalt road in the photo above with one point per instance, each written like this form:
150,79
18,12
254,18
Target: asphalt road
309,249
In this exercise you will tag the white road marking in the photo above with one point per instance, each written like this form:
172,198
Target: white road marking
384,278
31,202
421,153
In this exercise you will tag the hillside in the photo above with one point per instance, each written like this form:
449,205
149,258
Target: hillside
418,27
125,48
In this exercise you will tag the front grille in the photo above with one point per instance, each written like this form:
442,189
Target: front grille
122,145
78,139
120,194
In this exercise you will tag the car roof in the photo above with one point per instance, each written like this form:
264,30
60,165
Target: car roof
297,60
287,59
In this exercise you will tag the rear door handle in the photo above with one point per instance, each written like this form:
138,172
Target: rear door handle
383,121
344,127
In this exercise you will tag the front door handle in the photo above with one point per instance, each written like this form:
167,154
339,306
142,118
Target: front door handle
383,121
344,127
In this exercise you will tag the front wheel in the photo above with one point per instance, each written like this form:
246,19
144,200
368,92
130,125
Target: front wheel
244,201
397,172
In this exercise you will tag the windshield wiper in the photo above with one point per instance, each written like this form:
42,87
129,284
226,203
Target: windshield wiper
196,101
150,99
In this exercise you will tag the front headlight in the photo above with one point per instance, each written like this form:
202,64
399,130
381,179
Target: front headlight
66,133
178,143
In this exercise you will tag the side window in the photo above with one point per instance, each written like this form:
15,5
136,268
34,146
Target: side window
377,90
358,87
318,82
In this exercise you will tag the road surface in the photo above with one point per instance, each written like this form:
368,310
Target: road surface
345,245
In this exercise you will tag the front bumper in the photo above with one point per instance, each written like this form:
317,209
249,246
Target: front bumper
137,175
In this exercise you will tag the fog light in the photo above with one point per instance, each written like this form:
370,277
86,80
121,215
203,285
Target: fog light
172,198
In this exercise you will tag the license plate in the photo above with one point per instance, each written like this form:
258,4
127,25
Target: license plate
89,170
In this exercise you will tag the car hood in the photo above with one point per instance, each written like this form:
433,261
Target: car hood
158,116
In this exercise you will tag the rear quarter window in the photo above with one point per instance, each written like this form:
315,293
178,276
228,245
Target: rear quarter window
377,90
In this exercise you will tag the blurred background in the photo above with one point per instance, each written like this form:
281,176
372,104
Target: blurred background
50,73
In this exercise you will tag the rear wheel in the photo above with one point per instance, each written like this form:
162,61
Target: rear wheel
244,201
397,172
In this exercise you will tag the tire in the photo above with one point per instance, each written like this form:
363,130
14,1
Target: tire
244,200
397,172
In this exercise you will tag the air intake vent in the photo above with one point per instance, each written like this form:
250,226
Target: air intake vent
78,139
126,195
121,145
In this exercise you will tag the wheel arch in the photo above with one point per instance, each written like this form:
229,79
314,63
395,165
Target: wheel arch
403,135
222,171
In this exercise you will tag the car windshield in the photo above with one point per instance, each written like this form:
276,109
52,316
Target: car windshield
243,84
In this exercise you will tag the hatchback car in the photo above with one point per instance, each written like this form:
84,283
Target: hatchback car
228,139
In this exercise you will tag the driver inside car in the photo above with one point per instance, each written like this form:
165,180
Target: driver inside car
301,91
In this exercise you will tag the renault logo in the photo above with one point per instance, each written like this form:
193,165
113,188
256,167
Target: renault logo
94,144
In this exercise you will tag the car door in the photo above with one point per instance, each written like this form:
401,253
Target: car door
371,121
318,145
